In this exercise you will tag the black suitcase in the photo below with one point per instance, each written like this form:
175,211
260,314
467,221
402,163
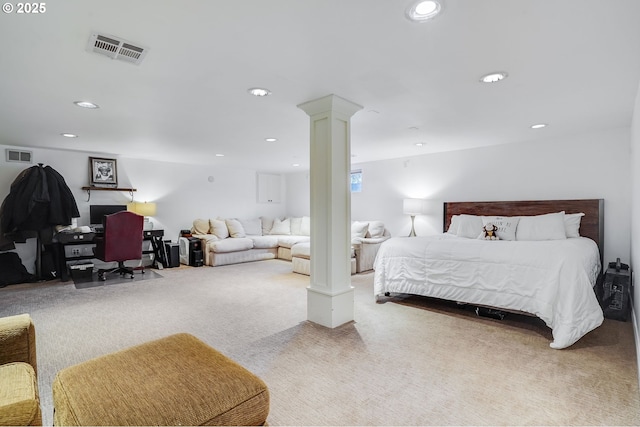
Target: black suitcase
616,289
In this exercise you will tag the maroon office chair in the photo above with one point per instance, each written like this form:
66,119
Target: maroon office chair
122,241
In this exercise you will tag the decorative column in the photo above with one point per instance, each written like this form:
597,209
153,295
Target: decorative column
330,294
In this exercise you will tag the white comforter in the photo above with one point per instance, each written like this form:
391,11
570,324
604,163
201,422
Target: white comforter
551,279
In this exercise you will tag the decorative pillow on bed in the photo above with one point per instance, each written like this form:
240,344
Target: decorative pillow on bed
469,226
453,226
572,224
507,226
542,227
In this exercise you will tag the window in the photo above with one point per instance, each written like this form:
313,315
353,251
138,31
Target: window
356,181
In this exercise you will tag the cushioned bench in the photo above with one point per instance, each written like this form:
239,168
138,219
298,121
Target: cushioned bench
177,380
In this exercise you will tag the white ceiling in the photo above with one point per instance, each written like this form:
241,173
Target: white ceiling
574,64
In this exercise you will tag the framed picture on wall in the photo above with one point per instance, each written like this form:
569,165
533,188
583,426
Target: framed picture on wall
103,172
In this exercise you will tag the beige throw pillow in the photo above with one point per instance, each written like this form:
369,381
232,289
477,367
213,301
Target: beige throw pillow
219,228
200,226
235,228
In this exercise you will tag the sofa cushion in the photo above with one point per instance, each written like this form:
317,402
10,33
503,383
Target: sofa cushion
289,241
267,224
359,229
296,223
219,228
232,245
235,228
253,226
301,250
305,227
19,400
200,226
376,229
281,227
264,242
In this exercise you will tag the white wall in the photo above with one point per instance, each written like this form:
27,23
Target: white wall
635,217
577,167
182,192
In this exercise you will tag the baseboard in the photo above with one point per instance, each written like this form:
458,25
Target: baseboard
636,335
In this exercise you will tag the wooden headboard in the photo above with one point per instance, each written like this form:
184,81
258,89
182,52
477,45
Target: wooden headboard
591,226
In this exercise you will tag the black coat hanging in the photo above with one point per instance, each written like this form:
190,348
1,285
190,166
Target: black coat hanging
39,199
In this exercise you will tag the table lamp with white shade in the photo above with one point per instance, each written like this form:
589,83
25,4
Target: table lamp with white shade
413,207
146,210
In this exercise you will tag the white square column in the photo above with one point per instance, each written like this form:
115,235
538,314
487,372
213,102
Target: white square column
330,294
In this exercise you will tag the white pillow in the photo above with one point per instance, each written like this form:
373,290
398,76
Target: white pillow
453,226
267,223
376,229
359,229
507,226
469,226
219,228
305,227
296,225
572,224
235,228
252,227
542,227
281,227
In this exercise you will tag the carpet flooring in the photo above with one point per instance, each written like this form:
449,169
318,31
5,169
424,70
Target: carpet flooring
403,361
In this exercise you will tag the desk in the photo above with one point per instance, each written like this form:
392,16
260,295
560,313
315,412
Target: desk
73,247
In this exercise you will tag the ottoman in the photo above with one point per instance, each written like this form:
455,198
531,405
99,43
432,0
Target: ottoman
177,380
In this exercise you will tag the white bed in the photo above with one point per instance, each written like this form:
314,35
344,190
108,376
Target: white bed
551,279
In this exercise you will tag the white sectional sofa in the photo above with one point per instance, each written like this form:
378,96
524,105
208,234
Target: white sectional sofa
237,240
366,238
232,241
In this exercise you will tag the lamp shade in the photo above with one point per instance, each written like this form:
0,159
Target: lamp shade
143,209
413,206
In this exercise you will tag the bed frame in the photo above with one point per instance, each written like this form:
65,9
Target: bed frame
591,226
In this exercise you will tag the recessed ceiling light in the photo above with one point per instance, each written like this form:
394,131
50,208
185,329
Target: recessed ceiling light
219,155
420,144
259,91
271,139
494,77
69,135
86,104
423,10
539,126
295,165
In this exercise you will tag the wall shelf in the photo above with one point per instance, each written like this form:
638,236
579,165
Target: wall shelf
90,189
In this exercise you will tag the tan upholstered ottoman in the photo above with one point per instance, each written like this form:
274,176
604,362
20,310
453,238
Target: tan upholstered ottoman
177,380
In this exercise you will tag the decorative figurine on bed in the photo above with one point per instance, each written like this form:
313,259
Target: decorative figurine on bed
489,231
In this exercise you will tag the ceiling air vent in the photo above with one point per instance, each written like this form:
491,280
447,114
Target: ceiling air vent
19,156
116,48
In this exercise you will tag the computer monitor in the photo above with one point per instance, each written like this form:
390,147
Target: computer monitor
97,212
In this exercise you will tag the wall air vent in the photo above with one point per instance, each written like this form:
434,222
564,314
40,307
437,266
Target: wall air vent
19,156
116,48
